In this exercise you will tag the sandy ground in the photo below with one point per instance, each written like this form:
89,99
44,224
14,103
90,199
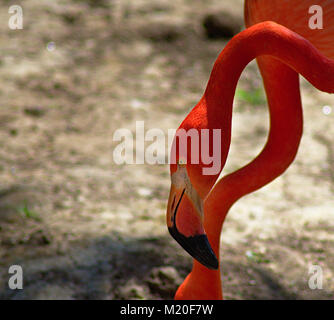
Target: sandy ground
83,227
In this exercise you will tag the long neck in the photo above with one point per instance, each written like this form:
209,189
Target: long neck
266,38
282,54
286,126
282,87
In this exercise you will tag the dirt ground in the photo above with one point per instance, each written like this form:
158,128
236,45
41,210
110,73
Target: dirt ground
83,227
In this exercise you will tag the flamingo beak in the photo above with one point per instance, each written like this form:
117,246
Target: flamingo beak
185,225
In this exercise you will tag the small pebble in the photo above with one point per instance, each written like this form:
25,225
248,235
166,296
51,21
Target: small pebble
326,110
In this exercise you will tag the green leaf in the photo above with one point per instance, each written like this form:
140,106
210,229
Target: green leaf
254,97
27,213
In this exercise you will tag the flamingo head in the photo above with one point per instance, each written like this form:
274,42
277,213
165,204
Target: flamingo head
185,218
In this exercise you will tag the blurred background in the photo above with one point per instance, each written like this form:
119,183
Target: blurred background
83,227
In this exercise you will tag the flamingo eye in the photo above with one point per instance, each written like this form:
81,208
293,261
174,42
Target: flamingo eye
182,162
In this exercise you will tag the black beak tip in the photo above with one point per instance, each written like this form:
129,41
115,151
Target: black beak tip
198,247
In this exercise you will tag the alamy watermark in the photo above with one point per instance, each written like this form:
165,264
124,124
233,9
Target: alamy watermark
316,21
189,146
316,278
15,281
16,19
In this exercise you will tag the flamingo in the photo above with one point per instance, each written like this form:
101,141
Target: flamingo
284,48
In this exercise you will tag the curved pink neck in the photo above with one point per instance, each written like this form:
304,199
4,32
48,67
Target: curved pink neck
293,54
